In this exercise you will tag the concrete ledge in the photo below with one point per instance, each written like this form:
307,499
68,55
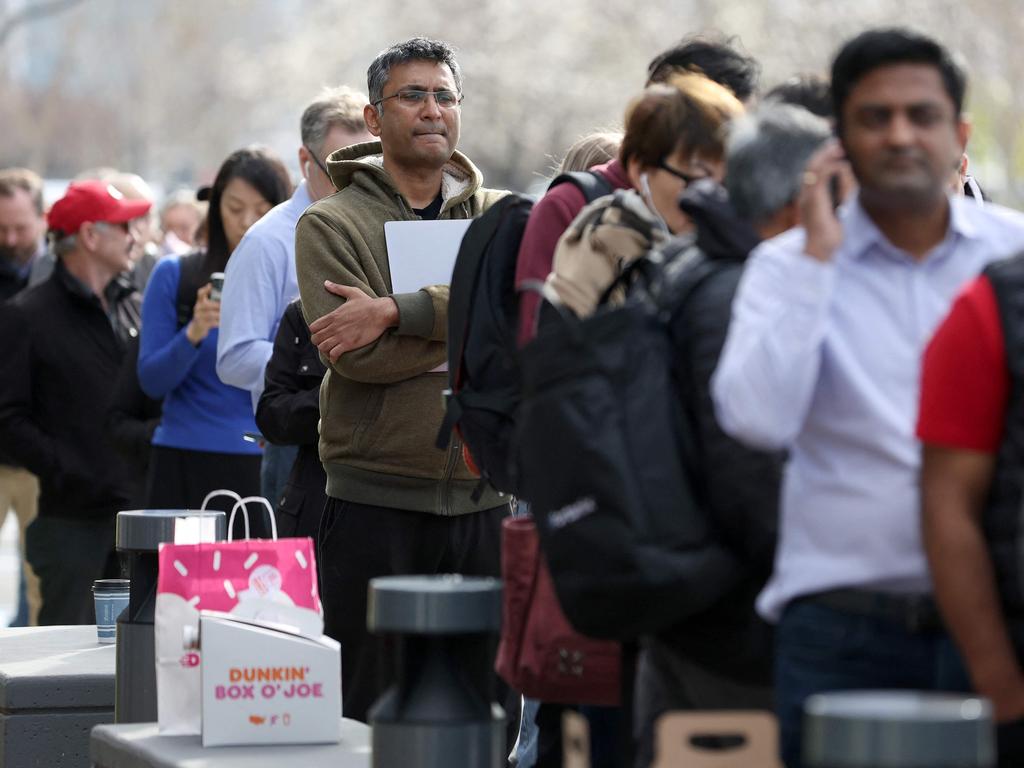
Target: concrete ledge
139,745
54,668
50,739
56,684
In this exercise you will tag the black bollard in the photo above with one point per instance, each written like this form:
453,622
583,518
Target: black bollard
898,729
441,710
139,535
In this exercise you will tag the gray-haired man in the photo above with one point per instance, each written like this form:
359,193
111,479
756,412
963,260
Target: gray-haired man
723,659
260,279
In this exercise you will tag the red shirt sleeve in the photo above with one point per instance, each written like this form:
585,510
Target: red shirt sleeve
550,217
965,382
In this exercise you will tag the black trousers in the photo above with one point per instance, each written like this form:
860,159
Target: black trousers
180,479
1010,743
356,543
68,554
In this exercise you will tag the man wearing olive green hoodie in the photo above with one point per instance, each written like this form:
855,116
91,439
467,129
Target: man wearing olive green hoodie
396,503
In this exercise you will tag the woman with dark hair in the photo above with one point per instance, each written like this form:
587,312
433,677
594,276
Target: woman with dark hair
199,445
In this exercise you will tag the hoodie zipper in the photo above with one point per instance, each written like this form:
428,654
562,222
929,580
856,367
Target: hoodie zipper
454,448
444,506
444,488
405,208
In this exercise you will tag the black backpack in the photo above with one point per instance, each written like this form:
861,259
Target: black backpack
601,445
483,313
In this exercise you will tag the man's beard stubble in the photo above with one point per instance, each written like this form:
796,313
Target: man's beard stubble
14,254
913,195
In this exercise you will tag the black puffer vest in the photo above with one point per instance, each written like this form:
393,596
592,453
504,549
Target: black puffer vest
1004,512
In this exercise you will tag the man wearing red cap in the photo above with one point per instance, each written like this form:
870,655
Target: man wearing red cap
63,341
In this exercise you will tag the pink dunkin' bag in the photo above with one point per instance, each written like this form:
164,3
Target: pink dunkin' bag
270,581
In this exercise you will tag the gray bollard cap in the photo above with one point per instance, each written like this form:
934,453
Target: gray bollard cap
144,530
897,729
434,605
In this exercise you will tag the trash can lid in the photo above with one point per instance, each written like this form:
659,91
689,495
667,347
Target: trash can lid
145,529
434,605
897,729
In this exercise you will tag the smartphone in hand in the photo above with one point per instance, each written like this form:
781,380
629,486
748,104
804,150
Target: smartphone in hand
216,285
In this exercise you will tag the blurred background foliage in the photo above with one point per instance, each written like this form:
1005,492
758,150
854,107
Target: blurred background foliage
167,88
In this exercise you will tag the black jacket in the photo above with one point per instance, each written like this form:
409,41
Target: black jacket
288,414
737,486
1001,520
131,421
11,280
62,353
11,283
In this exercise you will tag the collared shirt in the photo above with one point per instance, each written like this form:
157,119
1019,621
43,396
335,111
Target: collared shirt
121,302
15,277
824,359
41,266
259,283
25,270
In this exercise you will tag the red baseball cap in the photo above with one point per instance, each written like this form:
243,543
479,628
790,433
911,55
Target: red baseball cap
93,201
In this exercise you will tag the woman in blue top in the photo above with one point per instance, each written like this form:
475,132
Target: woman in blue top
199,444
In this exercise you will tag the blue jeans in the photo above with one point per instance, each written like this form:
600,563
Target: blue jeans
524,751
819,649
21,617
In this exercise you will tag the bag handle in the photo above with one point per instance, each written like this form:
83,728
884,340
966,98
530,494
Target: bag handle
215,494
241,505
229,494
640,268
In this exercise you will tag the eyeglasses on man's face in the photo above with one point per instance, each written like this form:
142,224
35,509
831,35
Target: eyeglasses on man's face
318,161
127,227
414,98
688,178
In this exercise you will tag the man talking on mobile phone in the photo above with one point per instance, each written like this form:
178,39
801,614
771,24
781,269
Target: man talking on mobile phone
823,359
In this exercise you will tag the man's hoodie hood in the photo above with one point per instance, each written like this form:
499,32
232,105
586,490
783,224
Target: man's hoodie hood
721,233
363,165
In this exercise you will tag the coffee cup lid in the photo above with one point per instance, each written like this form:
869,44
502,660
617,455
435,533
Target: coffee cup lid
111,585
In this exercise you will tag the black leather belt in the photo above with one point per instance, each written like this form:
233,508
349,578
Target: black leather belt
914,613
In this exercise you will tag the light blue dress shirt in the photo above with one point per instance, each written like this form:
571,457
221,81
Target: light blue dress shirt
259,283
824,359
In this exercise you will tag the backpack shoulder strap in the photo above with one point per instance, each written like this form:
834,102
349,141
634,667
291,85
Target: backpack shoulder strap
687,267
1006,276
190,268
465,277
591,183
475,243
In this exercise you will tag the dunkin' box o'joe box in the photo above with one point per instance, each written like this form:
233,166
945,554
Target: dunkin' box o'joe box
264,685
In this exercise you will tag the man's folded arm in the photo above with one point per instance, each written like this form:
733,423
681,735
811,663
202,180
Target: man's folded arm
323,253
424,313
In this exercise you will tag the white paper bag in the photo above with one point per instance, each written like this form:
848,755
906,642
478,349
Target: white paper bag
268,581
